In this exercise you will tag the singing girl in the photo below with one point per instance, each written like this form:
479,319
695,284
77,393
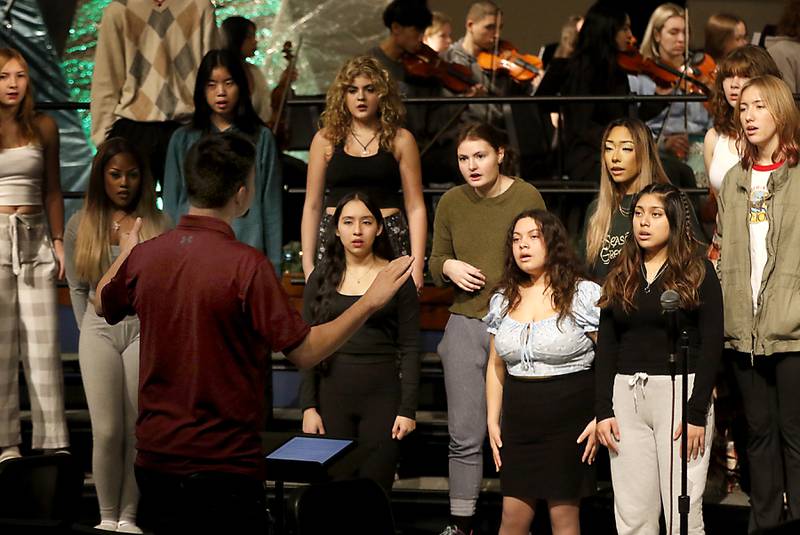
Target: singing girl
637,404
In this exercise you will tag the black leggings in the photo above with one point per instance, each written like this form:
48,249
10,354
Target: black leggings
360,400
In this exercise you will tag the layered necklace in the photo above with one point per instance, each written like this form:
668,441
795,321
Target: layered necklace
648,285
625,211
364,146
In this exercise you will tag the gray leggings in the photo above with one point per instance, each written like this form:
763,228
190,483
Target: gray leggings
464,351
109,359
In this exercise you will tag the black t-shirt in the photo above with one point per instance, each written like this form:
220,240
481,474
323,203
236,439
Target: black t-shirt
618,233
389,332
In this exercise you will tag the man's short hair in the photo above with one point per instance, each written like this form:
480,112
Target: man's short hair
481,9
216,167
408,13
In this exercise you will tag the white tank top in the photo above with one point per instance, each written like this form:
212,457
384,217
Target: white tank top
21,175
722,159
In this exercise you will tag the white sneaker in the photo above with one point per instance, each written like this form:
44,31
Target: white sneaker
107,525
11,452
123,526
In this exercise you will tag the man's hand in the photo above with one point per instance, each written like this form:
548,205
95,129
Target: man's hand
129,240
388,281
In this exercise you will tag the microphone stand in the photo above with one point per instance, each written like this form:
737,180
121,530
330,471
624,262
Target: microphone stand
683,499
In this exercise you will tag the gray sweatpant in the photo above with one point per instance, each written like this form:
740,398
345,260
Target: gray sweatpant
464,351
640,473
109,359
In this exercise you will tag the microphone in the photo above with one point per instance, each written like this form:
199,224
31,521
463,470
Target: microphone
670,304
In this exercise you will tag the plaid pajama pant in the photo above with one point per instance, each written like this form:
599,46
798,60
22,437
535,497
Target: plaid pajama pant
29,329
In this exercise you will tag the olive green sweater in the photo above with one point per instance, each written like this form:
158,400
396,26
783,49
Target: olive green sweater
473,229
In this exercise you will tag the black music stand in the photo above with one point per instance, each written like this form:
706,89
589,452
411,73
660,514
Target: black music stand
285,461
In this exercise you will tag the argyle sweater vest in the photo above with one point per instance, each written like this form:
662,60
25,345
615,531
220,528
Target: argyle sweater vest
146,61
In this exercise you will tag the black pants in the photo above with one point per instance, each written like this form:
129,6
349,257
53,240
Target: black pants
150,138
361,401
771,394
210,502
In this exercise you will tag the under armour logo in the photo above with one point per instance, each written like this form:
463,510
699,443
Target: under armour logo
186,240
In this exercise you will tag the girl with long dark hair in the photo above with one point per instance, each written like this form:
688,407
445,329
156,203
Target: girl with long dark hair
360,392
31,259
120,190
591,70
637,407
543,320
222,103
239,36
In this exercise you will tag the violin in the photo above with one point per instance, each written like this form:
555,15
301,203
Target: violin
521,67
426,63
697,79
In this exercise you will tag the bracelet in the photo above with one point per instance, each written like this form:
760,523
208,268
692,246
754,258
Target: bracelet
57,238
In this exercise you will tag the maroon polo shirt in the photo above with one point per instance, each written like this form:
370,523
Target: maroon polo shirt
211,308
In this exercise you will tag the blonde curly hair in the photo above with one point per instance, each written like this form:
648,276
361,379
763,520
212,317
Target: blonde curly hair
336,119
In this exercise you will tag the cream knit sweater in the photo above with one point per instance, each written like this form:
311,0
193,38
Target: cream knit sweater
147,59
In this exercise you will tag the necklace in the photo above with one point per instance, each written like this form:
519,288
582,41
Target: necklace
364,273
624,211
647,285
115,225
364,149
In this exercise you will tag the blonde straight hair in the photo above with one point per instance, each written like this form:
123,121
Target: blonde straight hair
93,245
611,193
662,13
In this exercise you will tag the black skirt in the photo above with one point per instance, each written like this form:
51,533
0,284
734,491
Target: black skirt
541,422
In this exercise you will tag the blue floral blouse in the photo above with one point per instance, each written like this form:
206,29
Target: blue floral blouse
546,347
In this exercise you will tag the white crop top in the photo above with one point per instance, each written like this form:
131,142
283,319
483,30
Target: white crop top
722,159
21,175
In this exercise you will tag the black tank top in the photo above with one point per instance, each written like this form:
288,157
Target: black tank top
378,176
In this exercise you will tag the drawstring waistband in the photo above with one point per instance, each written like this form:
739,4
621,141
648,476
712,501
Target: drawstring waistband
14,221
13,235
637,381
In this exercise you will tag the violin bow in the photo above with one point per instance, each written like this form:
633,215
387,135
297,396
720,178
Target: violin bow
686,66
496,51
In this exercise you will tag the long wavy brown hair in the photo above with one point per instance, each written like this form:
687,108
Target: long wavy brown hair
563,268
685,259
25,113
748,61
779,101
611,193
93,245
336,119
